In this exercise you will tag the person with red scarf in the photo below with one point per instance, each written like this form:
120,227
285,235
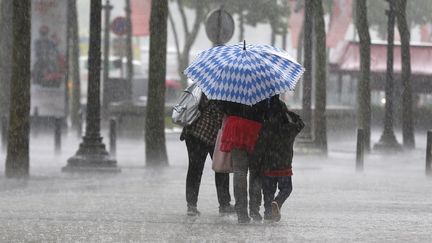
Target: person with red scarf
240,133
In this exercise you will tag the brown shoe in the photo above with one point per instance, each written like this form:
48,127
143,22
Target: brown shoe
275,211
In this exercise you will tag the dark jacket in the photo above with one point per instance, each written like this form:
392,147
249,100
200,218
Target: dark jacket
274,147
254,112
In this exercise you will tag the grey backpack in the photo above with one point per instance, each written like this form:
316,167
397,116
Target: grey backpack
186,111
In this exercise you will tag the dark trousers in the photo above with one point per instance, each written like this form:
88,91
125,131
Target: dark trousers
269,185
197,152
255,194
241,167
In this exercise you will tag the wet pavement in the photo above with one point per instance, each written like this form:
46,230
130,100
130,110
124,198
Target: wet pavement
390,201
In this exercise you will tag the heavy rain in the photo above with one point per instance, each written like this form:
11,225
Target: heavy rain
215,121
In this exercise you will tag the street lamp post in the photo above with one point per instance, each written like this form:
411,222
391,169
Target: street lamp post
129,51
388,139
92,155
106,52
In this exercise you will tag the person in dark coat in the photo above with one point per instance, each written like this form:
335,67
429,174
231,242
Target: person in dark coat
200,139
273,155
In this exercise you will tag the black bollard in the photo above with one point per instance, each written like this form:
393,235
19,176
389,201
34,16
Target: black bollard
360,150
80,122
35,122
113,136
4,131
429,154
57,135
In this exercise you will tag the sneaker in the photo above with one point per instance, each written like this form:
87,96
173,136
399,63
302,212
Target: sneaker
275,211
255,215
225,210
193,211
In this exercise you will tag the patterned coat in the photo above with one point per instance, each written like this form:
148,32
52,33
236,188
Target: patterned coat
208,123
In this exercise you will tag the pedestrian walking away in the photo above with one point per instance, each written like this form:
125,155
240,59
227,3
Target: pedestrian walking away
200,139
273,155
240,133
242,77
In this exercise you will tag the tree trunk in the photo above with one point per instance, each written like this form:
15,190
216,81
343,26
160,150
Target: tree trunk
407,104
5,54
363,87
307,76
17,159
320,121
74,59
156,154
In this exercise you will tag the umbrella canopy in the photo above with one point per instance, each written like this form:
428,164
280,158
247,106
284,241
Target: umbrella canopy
243,73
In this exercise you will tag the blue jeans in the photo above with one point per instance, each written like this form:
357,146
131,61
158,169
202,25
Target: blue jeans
269,185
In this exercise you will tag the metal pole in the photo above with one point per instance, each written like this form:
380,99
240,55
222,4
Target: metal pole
4,131
106,51
74,59
360,150
92,154
388,139
80,123
388,123
129,52
429,153
113,137
57,135
35,122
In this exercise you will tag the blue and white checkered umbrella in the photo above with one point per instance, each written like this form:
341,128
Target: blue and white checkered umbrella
243,73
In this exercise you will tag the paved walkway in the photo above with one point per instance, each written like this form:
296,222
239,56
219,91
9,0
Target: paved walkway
390,201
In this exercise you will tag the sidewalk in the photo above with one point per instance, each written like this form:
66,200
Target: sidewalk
390,201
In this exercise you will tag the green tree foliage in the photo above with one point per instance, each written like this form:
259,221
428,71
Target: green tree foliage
17,159
190,33
273,12
240,9
418,12
249,12
156,154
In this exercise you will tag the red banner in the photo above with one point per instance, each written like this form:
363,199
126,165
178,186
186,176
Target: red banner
339,22
140,17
